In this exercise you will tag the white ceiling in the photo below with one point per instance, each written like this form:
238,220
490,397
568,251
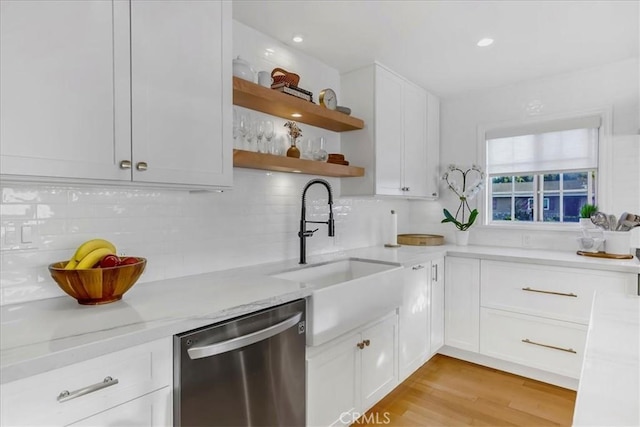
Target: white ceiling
433,43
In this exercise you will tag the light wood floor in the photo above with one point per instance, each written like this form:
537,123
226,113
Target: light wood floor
451,392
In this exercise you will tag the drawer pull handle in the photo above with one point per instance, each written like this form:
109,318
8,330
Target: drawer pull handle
66,395
417,267
360,345
550,292
367,343
568,350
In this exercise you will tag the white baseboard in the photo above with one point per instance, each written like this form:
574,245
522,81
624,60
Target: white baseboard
513,368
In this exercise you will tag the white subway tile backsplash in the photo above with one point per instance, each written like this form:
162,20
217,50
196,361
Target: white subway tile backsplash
179,232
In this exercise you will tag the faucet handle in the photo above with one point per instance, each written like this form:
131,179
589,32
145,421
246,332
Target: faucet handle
307,233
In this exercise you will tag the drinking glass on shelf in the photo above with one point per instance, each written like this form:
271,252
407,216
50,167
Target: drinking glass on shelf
269,133
251,135
306,148
236,130
260,129
319,152
243,129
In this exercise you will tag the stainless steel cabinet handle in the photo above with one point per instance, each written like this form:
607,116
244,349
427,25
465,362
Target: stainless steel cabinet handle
417,267
435,272
528,289
66,395
244,340
125,164
141,166
568,350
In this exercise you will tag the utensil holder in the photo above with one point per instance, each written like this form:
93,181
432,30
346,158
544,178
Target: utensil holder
617,242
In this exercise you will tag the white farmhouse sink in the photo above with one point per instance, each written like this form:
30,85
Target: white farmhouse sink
346,294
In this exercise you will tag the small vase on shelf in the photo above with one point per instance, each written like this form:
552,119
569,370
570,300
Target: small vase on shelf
293,150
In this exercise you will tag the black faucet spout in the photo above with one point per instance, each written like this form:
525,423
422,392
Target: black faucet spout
304,233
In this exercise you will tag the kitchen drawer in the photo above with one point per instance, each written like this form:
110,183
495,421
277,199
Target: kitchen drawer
139,370
553,292
552,346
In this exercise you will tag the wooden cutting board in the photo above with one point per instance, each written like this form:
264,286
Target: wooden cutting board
420,239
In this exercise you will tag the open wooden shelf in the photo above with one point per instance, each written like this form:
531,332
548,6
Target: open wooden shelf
250,95
252,160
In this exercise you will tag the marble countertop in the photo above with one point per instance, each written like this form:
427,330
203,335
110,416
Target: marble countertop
42,335
609,390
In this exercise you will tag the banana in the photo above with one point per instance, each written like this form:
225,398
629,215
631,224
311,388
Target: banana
92,258
86,248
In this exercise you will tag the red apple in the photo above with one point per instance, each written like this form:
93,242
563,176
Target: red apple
109,261
129,260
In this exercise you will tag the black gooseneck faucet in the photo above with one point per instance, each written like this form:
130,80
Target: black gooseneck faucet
304,233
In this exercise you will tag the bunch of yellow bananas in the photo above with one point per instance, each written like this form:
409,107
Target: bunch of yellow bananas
90,253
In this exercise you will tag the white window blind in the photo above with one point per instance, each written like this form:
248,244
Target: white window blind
547,147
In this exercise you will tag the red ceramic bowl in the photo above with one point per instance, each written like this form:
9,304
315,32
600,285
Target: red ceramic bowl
97,285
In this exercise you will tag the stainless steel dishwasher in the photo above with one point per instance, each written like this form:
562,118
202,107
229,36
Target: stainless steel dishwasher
248,371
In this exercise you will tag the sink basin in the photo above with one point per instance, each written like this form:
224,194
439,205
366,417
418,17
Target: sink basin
346,294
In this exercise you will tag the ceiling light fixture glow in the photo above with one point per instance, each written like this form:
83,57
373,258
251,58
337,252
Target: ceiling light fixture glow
298,38
485,42
296,115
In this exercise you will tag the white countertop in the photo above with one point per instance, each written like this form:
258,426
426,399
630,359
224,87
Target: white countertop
609,390
39,336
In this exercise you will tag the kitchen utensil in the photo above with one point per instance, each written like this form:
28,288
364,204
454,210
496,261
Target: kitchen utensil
617,242
95,286
600,220
628,221
613,222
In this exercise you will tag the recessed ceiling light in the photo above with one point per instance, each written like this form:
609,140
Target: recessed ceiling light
270,50
298,38
296,115
485,42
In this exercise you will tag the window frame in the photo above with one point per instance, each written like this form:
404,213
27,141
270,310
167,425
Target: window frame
604,185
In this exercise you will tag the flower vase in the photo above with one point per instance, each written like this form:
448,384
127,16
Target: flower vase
586,223
462,237
293,150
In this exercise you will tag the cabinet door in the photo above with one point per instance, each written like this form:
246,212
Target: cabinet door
389,133
437,305
432,165
462,303
379,361
64,72
332,390
414,319
181,92
415,141
151,410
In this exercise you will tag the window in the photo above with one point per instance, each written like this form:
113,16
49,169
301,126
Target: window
543,172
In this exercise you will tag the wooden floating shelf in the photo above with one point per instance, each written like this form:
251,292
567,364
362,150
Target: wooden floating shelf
252,160
250,95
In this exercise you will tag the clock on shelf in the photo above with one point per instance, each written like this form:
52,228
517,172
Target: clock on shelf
328,99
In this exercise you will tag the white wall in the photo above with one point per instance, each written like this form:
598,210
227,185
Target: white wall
182,233
612,86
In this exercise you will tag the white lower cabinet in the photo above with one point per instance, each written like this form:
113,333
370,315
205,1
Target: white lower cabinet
534,315
111,388
462,303
414,318
153,409
346,376
436,330
421,314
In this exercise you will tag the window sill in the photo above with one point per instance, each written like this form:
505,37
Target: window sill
565,228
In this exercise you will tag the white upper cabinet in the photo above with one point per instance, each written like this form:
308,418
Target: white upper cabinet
58,88
116,90
399,147
181,92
